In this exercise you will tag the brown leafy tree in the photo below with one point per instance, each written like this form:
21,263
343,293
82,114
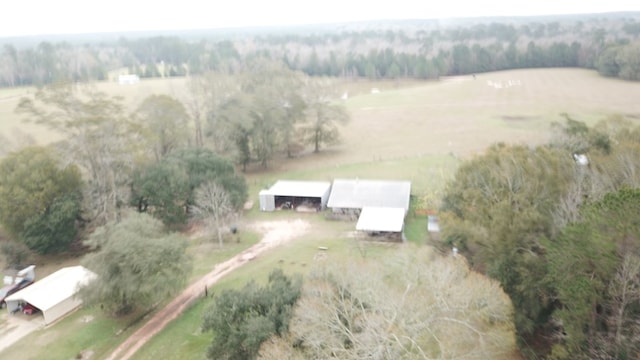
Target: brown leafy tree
324,113
96,138
409,305
163,124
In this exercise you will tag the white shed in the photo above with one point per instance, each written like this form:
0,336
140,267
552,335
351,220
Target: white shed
267,201
128,79
55,294
380,219
433,225
294,194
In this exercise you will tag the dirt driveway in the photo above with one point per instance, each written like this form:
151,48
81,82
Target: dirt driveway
274,234
15,327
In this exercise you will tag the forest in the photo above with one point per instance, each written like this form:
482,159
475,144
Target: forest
427,49
558,229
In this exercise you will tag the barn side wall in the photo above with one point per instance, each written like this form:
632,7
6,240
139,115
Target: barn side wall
267,201
61,309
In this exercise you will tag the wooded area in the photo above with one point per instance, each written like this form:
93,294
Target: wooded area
426,49
560,235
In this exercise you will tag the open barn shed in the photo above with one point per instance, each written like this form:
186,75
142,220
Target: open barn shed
54,295
298,195
382,222
352,195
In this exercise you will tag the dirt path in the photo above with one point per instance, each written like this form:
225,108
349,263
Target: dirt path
15,327
275,233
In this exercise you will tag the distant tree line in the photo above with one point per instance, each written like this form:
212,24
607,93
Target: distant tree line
411,49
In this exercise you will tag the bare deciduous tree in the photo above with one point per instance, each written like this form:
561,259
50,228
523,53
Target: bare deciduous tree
213,206
95,138
625,292
207,93
413,305
324,113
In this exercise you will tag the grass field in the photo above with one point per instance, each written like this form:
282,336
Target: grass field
459,115
413,131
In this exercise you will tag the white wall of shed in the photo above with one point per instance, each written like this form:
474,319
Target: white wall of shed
61,309
267,201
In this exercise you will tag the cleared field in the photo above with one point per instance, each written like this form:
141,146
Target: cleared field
460,115
464,115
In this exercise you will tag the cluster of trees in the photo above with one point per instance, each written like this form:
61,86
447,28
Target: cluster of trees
40,199
173,159
167,189
411,304
561,236
411,49
48,194
264,110
137,264
243,319
620,60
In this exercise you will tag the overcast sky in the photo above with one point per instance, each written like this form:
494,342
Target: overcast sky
36,17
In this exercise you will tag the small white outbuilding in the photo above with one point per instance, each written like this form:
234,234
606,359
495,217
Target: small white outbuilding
54,295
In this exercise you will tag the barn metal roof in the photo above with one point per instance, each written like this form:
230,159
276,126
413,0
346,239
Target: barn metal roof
300,188
381,219
53,289
358,194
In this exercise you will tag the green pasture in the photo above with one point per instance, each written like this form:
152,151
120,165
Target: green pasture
84,330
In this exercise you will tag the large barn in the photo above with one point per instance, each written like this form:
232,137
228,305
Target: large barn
380,206
355,194
300,195
54,295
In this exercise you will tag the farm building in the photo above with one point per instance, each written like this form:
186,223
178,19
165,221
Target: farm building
128,79
381,221
54,295
299,195
433,226
352,195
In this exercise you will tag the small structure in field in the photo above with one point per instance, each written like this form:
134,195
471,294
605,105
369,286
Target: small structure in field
433,226
382,222
128,79
309,196
581,159
55,295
